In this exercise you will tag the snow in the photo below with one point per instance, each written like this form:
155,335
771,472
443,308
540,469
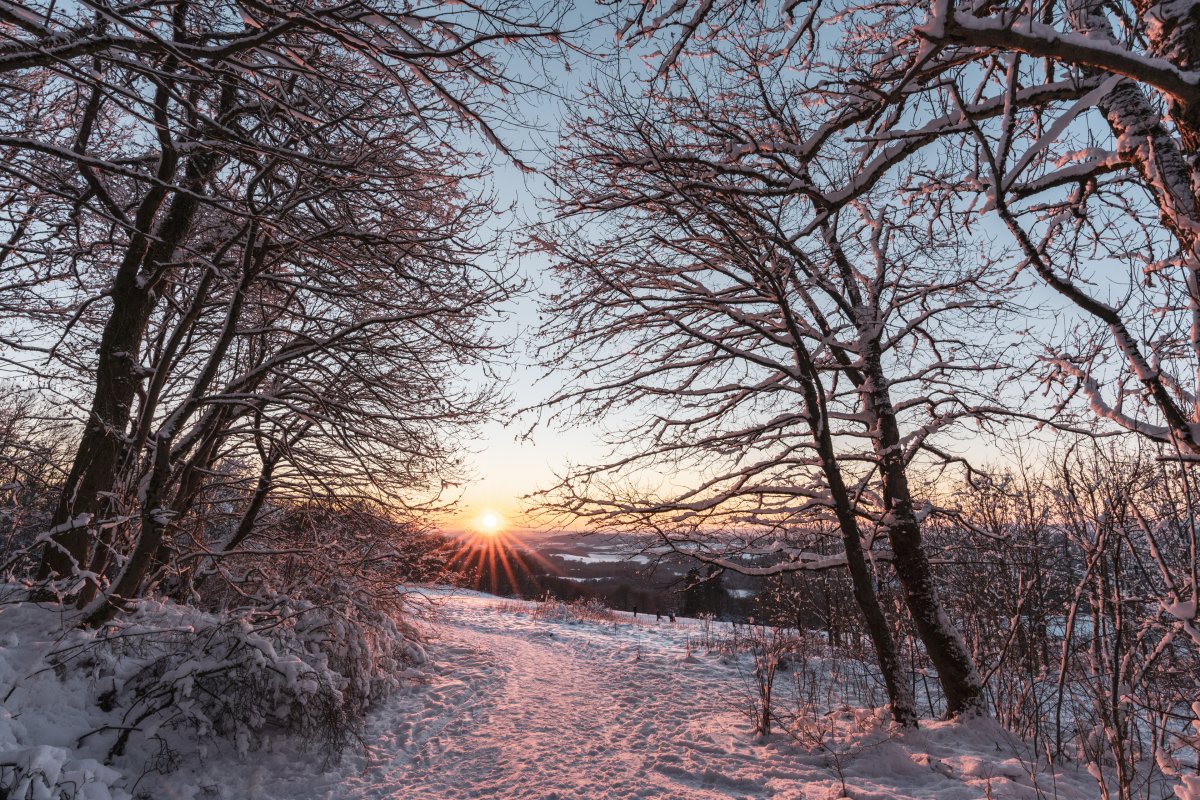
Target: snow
1184,610
41,717
512,704
602,558
519,707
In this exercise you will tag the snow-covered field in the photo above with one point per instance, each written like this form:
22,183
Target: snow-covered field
603,558
514,706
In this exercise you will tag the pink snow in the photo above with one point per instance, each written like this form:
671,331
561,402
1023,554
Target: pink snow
519,707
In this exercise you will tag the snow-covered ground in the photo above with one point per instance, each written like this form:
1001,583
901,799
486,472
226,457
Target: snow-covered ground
602,558
513,705
519,707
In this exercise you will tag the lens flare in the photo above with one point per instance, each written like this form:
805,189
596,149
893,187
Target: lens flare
489,557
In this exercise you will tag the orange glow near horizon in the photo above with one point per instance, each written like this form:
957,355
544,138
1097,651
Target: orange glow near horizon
490,557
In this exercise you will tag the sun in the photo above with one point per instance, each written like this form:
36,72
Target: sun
490,522
489,555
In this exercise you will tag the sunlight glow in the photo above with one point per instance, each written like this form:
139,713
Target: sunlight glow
489,557
490,522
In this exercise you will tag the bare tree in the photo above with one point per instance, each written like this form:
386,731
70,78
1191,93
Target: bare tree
1073,124
1074,611
235,224
33,452
798,369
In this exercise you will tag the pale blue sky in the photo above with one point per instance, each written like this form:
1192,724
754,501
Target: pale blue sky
503,465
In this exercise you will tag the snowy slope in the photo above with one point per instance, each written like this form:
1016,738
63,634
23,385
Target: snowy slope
519,707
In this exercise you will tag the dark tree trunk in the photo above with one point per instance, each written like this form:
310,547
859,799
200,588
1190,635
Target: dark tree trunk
155,519
956,669
152,550
904,709
903,706
87,494
101,457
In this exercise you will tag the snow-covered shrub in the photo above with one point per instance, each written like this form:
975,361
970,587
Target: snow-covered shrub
590,609
770,649
53,773
290,634
333,572
1080,606
286,643
32,461
715,638
235,678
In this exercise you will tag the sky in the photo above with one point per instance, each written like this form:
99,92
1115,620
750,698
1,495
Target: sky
522,453
507,460
510,459
516,456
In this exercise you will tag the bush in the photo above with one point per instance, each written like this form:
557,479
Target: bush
52,772
296,668
293,635
33,460
168,681
583,610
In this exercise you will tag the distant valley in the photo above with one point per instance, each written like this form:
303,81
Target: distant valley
626,571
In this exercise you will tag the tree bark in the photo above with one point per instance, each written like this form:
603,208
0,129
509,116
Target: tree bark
101,455
956,669
900,697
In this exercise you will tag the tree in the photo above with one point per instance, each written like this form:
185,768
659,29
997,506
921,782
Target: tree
703,594
771,340
1073,125
248,234
1072,606
32,455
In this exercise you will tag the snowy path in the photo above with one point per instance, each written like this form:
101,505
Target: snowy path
518,708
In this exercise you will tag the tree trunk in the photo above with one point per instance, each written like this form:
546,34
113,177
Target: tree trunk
100,458
87,493
903,706
155,519
956,669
